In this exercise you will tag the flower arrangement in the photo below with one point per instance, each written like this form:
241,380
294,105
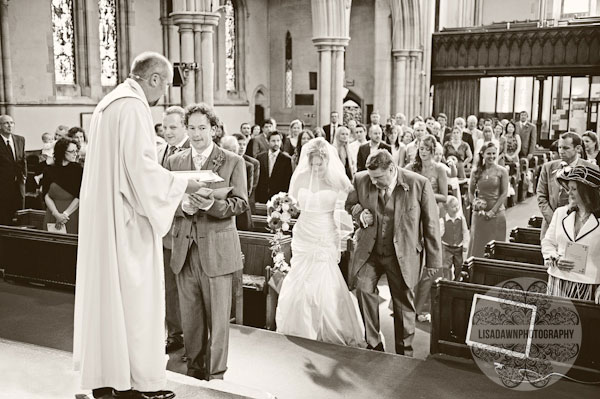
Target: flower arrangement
479,205
281,208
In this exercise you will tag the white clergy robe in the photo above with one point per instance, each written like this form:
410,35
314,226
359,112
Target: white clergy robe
127,204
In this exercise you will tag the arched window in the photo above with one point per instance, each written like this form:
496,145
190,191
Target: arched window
108,42
288,71
63,42
230,47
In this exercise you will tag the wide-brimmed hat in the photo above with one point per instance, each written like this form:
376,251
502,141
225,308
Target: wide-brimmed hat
583,174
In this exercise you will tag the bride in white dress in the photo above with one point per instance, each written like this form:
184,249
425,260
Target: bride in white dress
314,301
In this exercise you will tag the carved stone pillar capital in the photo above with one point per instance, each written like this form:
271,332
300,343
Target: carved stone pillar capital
415,53
330,43
400,54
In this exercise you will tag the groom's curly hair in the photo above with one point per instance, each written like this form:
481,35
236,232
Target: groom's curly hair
201,108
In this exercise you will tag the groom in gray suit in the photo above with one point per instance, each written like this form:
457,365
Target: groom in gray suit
206,246
398,219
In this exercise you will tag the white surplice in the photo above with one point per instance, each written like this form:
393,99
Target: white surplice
127,204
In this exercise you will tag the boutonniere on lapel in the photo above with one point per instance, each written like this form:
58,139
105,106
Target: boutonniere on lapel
404,186
563,169
218,161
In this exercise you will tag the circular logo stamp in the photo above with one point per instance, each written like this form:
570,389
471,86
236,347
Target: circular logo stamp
521,338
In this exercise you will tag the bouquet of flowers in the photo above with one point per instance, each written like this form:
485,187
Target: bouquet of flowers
479,205
281,208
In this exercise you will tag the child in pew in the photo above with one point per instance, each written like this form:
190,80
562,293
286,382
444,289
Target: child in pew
455,238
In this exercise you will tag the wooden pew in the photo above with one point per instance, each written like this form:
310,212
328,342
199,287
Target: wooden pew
525,235
535,221
260,224
261,209
50,259
257,254
491,272
451,307
37,256
515,252
31,218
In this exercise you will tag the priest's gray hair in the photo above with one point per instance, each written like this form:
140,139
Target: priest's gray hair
149,62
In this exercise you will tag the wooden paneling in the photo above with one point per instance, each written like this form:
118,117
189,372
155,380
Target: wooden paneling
565,50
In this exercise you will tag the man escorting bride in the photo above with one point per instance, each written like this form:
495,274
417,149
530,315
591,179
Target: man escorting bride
399,228
314,301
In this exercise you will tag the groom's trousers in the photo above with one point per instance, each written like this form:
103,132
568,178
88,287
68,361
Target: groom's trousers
205,304
403,299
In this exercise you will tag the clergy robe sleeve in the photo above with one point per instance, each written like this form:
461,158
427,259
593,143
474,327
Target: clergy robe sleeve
149,189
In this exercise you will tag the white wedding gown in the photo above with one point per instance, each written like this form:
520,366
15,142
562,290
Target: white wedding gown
314,301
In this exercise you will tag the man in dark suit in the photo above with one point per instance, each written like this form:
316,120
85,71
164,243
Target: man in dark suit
371,146
259,144
175,135
375,118
332,127
550,194
206,245
242,143
230,143
13,170
445,129
275,170
528,133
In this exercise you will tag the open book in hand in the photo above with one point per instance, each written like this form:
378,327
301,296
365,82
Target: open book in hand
204,176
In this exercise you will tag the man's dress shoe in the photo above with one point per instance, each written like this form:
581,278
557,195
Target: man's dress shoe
378,347
173,345
157,395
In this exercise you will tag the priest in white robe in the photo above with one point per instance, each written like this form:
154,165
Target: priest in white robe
127,205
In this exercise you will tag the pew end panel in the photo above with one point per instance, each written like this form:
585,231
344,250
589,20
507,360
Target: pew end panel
451,307
514,252
526,235
257,254
39,257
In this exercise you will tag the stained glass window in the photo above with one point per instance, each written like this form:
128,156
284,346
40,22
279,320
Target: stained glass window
230,47
288,70
108,42
62,35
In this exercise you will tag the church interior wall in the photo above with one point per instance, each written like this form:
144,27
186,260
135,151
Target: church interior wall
295,17
360,52
256,68
449,13
145,29
509,10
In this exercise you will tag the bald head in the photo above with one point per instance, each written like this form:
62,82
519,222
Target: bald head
154,74
149,62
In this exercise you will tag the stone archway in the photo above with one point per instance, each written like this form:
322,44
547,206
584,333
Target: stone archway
259,105
352,107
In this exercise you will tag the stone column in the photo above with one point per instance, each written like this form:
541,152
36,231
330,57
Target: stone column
409,87
174,56
337,88
414,89
382,67
184,21
324,93
6,58
331,27
399,82
207,22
